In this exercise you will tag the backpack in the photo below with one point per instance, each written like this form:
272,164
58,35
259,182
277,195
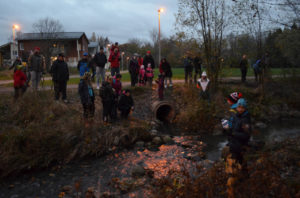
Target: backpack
257,66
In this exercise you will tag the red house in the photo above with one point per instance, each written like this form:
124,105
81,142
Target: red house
72,44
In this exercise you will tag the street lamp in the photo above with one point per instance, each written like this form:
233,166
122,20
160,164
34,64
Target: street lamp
122,60
14,28
159,49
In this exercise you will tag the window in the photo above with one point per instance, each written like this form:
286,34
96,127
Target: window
21,46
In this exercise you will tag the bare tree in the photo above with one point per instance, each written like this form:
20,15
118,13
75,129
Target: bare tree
48,29
206,18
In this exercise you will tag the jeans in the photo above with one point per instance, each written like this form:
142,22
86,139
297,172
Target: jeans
100,73
60,87
115,70
170,81
35,79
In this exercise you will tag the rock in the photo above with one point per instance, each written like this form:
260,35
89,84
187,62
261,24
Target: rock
36,184
157,140
14,196
261,125
153,133
66,189
116,141
140,144
217,132
138,171
295,114
167,139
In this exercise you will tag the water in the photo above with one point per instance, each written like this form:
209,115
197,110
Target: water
110,172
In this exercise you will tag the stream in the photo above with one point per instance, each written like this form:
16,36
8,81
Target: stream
112,173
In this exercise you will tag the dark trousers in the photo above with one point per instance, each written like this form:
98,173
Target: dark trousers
161,92
244,74
113,112
88,110
188,73
125,113
134,79
60,87
197,75
19,91
115,71
107,108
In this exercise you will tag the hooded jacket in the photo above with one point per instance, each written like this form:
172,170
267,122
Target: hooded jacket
19,78
100,60
59,71
125,103
165,67
114,59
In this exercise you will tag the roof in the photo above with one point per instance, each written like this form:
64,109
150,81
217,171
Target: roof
6,44
93,44
56,36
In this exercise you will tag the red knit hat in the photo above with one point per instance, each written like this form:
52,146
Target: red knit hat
234,97
148,52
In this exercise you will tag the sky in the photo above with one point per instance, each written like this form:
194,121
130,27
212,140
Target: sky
119,20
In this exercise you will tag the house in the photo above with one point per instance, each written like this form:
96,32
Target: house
8,53
72,44
94,47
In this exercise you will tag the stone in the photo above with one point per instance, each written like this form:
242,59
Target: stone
153,133
138,171
66,188
261,125
116,141
140,144
14,196
167,139
157,140
36,184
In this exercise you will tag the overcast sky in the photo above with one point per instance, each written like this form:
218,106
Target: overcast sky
120,20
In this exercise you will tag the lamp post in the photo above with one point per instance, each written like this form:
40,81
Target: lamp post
159,49
14,28
122,60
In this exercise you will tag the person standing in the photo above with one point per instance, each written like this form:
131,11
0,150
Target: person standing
134,70
188,69
16,63
84,65
114,59
108,97
36,67
140,60
60,75
244,67
100,61
198,68
165,69
149,59
19,82
203,84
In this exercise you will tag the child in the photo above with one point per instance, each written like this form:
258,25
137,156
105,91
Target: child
165,69
142,76
19,82
238,138
108,97
160,82
126,104
149,74
87,97
203,85
232,100
117,84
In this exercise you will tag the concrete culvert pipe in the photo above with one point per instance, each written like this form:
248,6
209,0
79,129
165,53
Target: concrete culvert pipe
163,111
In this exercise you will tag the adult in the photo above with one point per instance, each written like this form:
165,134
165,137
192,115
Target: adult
188,68
244,67
84,65
114,59
100,60
108,97
165,69
134,70
198,68
36,67
16,63
60,75
149,59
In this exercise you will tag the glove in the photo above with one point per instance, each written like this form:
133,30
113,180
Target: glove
225,124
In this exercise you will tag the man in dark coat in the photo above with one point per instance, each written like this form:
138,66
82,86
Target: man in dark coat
134,70
36,67
60,75
244,67
108,97
188,69
198,68
149,59
100,60
126,104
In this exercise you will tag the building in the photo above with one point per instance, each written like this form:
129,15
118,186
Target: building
94,47
8,53
72,44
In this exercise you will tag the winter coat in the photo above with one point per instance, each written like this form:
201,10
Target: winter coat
125,103
19,79
197,63
36,63
106,92
117,85
86,93
59,71
114,60
187,62
133,67
142,73
140,61
85,66
100,60
244,64
165,67
239,135
149,59
149,72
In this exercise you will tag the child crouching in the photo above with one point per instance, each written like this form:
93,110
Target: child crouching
87,98
126,104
